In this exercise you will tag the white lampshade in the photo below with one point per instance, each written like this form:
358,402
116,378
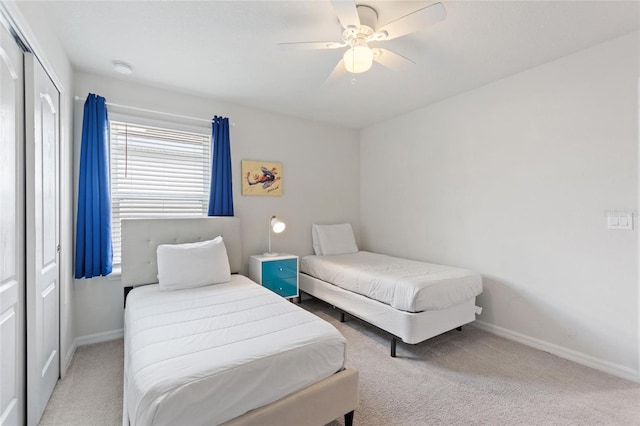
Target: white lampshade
277,225
358,59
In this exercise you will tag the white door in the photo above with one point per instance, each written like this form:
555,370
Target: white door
43,303
12,281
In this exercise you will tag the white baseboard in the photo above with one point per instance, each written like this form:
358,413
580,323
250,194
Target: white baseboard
577,357
105,336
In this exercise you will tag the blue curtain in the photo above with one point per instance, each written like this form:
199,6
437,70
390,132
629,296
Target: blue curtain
94,253
220,195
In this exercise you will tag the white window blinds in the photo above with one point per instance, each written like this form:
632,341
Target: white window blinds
156,172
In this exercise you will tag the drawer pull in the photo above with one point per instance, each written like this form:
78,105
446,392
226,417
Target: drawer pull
280,269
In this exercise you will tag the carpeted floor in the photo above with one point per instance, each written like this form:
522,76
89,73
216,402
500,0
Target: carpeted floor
91,392
459,378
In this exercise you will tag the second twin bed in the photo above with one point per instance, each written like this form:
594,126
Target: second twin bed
412,301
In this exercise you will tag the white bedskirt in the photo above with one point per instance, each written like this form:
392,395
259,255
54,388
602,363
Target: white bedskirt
210,354
410,327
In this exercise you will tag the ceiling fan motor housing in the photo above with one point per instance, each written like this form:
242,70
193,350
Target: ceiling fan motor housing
353,35
366,32
368,16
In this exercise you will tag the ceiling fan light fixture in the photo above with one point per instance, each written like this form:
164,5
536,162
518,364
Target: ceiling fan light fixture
358,58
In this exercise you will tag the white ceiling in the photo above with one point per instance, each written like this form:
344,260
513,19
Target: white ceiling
227,49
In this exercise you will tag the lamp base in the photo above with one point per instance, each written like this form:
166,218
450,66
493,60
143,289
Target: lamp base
270,254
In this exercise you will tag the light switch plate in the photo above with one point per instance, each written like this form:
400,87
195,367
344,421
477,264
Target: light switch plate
620,220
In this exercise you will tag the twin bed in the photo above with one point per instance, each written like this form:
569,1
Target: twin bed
412,301
231,353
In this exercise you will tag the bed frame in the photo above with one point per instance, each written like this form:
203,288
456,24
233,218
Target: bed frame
409,327
317,404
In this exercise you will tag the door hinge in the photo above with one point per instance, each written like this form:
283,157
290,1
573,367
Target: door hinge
58,248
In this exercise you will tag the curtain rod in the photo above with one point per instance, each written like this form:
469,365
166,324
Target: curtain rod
79,98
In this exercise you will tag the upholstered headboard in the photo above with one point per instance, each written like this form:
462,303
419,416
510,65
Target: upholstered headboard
141,238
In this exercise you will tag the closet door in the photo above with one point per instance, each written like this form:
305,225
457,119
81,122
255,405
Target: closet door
12,280
42,183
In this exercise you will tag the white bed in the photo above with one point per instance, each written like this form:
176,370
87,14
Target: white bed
413,301
232,353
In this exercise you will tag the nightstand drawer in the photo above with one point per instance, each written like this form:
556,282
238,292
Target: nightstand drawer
285,287
279,269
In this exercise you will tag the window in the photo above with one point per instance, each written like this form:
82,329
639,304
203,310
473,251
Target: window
156,172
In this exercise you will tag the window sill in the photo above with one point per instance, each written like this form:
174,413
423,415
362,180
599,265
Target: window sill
116,273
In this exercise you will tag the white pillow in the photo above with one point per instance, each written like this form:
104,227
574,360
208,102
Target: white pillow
333,239
192,265
315,239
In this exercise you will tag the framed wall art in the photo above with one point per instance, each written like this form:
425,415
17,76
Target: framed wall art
261,178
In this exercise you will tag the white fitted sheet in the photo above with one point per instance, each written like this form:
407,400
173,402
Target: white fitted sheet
210,354
406,285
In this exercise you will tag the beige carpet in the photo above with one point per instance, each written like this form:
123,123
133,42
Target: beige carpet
459,378
91,392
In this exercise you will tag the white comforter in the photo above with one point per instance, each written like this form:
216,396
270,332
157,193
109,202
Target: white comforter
210,354
404,284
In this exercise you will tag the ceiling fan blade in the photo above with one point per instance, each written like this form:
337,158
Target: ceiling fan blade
310,45
414,21
391,59
347,12
337,72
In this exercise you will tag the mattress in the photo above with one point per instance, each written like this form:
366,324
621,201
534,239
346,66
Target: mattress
406,285
210,354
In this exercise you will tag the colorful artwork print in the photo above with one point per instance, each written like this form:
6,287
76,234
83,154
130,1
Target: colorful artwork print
261,178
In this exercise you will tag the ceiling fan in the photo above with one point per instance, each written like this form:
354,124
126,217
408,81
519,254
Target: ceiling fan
360,27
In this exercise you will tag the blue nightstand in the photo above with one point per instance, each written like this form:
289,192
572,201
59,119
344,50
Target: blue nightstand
277,273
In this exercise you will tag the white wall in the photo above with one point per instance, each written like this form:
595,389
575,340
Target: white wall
320,180
513,180
49,50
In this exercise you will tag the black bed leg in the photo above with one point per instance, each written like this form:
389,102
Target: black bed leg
393,347
459,328
342,317
348,419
